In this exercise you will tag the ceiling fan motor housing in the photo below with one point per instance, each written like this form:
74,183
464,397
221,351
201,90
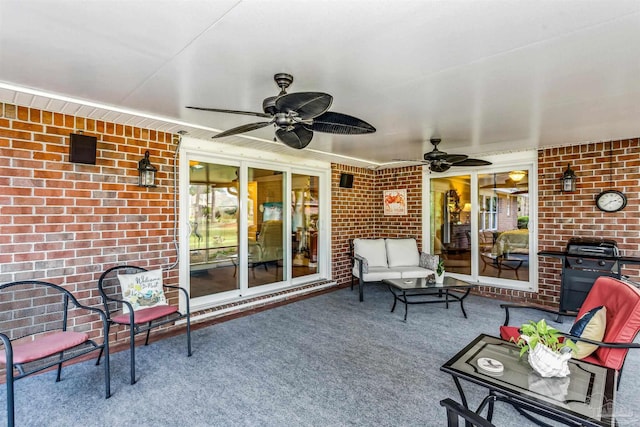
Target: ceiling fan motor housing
269,105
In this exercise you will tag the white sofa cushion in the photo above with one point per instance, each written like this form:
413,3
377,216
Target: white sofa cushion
377,274
373,250
402,253
413,272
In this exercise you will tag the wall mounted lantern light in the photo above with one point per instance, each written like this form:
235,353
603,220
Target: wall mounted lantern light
569,179
146,172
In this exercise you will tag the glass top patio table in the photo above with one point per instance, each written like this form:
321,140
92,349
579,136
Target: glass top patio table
411,291
587,395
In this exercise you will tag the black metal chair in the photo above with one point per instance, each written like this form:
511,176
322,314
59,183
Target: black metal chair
455,411
42,317
142,320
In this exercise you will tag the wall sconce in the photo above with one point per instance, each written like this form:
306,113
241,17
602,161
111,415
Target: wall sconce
146,172
569,179
517,176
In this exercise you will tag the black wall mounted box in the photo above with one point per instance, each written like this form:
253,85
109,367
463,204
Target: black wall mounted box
346,180
82,149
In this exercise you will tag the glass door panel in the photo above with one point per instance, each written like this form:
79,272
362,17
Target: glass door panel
213,222
265,219
304,224
450,222
503,219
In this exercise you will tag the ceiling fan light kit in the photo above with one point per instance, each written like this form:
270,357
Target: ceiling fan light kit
296,116
517,176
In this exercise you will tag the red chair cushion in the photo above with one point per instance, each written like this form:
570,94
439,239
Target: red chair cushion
44,346
510,333
146,314
622,300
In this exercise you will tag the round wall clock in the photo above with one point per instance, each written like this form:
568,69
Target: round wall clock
611,201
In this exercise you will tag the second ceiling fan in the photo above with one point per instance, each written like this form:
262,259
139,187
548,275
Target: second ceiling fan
439,161
296,116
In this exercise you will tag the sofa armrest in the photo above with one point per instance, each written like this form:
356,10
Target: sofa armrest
429,261
363,264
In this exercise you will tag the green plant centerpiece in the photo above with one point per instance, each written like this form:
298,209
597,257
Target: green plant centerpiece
440,267
440,271
548,352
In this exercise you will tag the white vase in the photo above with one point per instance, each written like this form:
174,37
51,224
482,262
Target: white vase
439,278
547,362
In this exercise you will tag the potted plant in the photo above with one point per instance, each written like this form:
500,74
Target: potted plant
548,351
440,272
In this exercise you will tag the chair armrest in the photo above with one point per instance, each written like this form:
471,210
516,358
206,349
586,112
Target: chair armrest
181,289
363,264
121,301
602,343
8,352
532,307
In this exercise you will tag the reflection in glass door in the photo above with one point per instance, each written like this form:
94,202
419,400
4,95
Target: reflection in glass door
265,219
450,222
503,222
304,224
213,223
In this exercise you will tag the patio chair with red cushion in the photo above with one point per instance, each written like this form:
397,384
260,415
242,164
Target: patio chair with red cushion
608,322
45,326
134,296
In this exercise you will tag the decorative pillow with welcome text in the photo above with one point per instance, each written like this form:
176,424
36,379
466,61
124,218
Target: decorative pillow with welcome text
142,290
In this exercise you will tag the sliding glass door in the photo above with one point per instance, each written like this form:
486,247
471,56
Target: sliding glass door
451,222
252,228
479,224
305,215
213,228
266,238
503,225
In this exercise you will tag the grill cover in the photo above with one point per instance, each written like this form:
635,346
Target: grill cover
592,247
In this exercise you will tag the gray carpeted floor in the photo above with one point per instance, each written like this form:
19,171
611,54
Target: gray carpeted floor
324,361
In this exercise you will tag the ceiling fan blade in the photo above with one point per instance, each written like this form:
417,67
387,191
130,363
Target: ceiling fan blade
306,104
298,137
219,110
472,162
409,160
344,124
242,129
454,158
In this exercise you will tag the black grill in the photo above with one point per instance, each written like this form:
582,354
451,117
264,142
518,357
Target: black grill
585,260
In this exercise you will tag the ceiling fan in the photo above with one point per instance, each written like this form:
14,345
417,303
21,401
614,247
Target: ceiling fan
439,161
296,116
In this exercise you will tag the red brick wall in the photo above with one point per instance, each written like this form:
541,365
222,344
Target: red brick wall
357,212
352,215
66,223
565,215
410,225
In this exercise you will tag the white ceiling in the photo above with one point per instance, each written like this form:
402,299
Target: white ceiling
485,76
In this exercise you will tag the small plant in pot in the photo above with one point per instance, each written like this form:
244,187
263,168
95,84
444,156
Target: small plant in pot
440,271
548,351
